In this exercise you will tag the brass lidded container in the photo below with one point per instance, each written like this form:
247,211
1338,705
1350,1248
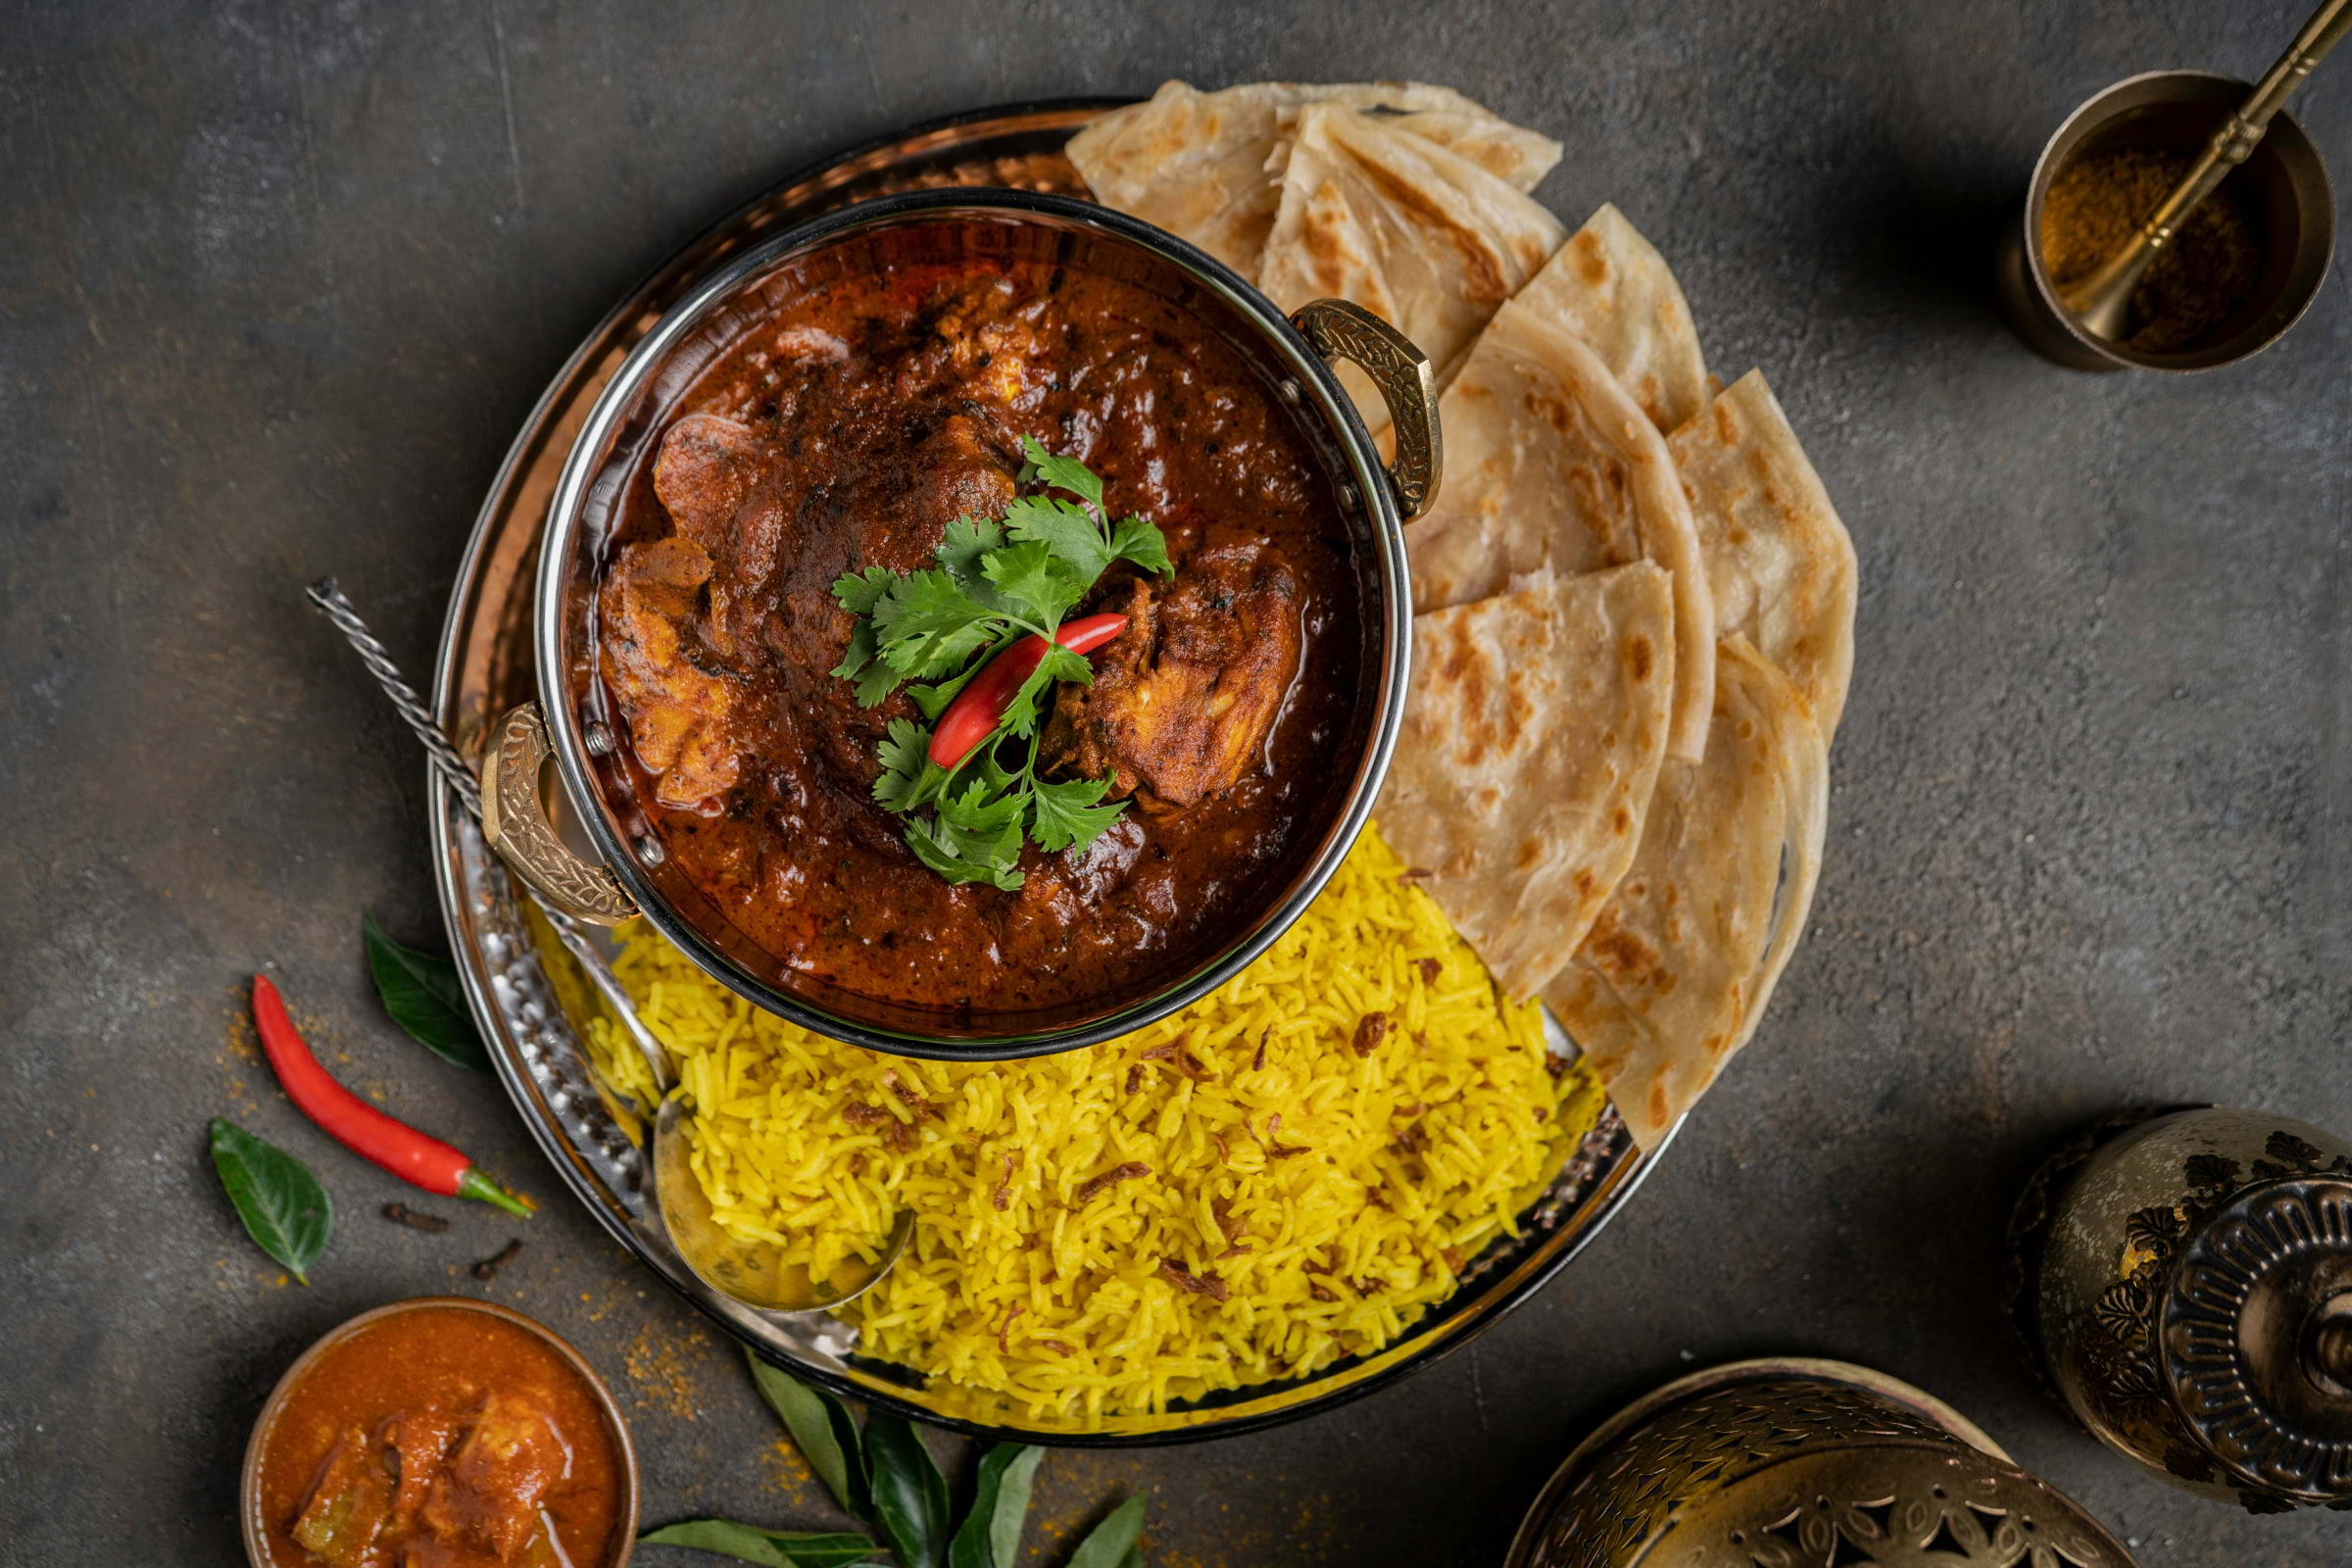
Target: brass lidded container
2183,1279
1796,1463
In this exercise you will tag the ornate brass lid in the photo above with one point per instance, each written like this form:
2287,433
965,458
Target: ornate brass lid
2186,1280
1801,1464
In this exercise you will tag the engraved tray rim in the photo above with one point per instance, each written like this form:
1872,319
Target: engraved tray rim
533,1047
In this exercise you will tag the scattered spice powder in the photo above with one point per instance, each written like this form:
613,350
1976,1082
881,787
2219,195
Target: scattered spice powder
2097,202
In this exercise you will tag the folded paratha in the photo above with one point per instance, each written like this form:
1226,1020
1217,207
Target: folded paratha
1675,972
1550,463
1531,743
1414,232
1208,165
1610,287
1780,563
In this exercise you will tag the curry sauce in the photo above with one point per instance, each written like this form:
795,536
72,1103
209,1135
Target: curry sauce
439,1438
844,429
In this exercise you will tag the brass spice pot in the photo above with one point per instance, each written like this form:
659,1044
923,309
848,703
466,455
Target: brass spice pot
1800,1465
2183,1279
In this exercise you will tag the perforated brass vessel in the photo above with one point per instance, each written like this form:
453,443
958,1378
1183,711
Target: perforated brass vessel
1795,1464
2183,1279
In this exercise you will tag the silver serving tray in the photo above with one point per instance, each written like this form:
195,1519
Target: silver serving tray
485,666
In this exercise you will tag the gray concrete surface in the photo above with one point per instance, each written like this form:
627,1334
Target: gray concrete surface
279,282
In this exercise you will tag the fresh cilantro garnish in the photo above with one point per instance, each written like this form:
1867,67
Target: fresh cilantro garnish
996,582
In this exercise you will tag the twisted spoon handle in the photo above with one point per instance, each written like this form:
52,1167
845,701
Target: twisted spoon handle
331,604
411,707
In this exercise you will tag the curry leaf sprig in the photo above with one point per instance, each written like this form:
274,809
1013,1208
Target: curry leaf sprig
994,583
885,1477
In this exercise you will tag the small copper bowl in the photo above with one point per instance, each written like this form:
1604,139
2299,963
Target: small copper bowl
2284,185
249,1482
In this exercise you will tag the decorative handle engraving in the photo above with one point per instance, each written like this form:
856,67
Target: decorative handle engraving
515,822
1409,385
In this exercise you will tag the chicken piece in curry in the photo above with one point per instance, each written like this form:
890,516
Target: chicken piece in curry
1183,697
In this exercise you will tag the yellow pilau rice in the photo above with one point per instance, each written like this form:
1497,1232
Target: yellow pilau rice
1289,1172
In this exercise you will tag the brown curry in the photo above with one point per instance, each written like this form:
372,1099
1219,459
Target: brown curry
439,1438
845,427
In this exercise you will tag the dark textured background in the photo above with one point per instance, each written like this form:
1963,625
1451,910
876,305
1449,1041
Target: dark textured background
277,283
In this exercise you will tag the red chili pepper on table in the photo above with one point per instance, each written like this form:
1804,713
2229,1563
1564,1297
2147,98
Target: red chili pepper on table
973,716
414,1157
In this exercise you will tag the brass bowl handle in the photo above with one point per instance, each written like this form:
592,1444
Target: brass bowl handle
516,822
1409,385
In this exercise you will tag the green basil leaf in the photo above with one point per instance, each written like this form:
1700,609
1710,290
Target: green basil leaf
910,1496
422,993
1114,1540
820,1425
1133,539
1065,816
286,1210
1062,473
991,1534
770,1549
1064,528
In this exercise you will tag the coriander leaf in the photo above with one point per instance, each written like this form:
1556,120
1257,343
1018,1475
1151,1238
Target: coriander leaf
1136,540
286,1210
1065,816
1036,583
857,592
420,991
910,1496
926,626
820,1425
770,1549
991,1534
939,846
909,778
1059,663
860,650
877,683
1064,528
1062,473
979,811
933,700
964,542
1109,1542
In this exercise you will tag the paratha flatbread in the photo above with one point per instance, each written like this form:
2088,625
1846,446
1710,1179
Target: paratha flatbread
1610,287
1780,563
1413,232
1208,165
1675,973
1549,463
1531,743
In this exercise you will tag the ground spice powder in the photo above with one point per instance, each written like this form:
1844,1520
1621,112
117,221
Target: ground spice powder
2097,202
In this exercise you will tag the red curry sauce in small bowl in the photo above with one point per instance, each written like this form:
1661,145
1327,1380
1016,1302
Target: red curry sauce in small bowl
445,1432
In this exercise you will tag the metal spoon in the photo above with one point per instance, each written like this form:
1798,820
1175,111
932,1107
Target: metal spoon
2099,300
753,1273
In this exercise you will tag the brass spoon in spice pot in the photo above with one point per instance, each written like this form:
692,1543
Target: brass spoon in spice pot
754,1274
2099,301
